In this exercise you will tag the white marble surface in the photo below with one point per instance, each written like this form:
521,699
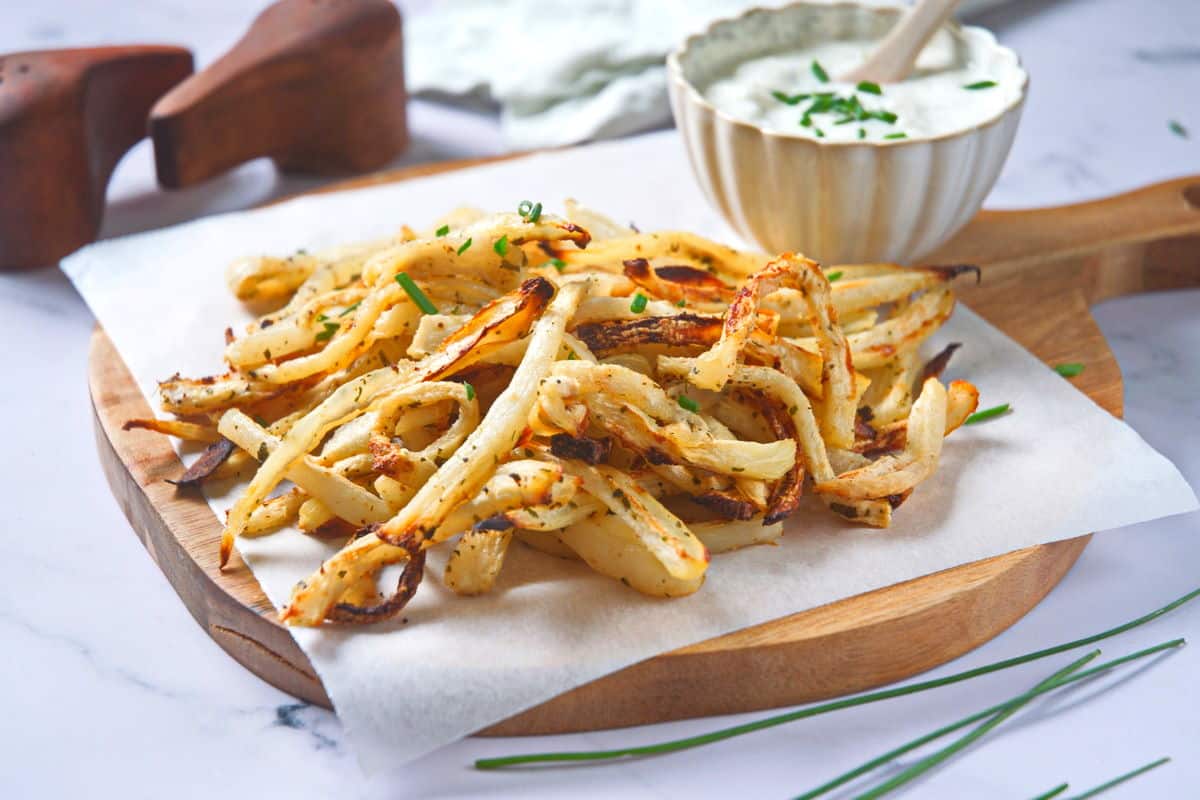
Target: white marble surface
110,689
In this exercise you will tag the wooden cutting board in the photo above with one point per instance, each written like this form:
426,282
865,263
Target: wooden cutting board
1042,269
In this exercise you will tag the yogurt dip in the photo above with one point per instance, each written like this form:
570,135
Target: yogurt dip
959,81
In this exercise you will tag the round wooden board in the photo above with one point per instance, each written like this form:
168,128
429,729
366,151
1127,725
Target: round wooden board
1042,270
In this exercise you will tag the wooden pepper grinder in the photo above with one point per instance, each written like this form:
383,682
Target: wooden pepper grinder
317,85
66,118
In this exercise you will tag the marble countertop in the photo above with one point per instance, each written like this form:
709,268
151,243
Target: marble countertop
110,689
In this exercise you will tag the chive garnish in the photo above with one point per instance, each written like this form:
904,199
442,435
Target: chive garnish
1177,129
327,334
833,276
789,99
1104,787
806,121
820,133
1069,370
686,403
470,391
896,136
639,303
348,309
869,87
980,85
442,231
530,212
862,133
418,297
1055,792
321,317
836,705
988,413
501,246
681,302
820,72
464,246
558,264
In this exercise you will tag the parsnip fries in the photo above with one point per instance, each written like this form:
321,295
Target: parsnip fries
635,401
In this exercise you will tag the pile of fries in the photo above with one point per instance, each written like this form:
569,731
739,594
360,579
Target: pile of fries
634,400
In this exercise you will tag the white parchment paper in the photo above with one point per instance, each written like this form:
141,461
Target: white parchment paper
1058,467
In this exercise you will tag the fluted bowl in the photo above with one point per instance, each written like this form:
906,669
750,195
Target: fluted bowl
838,201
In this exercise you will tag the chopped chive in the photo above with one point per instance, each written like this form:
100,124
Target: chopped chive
819,71
869,87
571,356
464,246
418,297
980,85
321,317
884,116
470,391
681,302
789,99
862,133
1177,129
833,276
348,309
1069,370
806,121
442,231
896,136
688,403
836,705
558,264
530,212
988,413
1055,792
639,303
327,334
820,133
501,246
1104,787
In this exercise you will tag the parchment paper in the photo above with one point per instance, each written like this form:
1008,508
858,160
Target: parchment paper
1059,466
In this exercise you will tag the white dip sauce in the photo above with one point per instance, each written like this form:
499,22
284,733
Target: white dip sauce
931,102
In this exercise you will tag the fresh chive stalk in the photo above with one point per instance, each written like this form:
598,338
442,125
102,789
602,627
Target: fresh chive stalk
1069,370
684,402
869,88
349,309
1012,707
895,753
465,246
1051,793
988,413
833,276
500,247
835,705
1117,781
896,136
418,297
442,231
977,85
639,303
819,71
470,390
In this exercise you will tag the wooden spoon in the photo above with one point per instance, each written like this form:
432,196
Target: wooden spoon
896,54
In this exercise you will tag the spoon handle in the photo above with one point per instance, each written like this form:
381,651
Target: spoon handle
895,56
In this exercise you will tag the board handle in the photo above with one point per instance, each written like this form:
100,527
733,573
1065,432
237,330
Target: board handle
1119,245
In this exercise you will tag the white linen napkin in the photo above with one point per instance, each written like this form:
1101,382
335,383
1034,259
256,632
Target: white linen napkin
563,71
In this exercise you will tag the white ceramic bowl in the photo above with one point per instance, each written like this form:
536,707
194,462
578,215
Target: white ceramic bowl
839,202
